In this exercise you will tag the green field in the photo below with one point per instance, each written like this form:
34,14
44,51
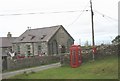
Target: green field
105,68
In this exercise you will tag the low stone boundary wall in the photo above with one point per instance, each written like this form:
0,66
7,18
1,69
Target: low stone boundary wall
29,70
30,62
102,51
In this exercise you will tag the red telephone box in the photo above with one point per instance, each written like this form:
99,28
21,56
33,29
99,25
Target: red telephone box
75,56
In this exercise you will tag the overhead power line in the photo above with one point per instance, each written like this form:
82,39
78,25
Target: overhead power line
33,13
105,16
80,14
76,18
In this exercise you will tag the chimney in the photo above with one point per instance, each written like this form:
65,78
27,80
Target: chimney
29,28
9,34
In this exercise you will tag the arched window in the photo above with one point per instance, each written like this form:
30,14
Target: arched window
69,43
18,49
54,47
39,49
63,49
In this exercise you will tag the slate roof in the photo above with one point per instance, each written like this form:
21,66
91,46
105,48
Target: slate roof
6,41
39,34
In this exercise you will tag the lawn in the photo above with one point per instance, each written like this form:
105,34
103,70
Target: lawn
105,68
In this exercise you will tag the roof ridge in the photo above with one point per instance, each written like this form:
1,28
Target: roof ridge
45,27
8,37
39,32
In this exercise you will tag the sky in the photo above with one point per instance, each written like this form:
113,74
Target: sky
74,15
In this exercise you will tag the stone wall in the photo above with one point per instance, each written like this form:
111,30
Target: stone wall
87,55
13,64
102,51
33,48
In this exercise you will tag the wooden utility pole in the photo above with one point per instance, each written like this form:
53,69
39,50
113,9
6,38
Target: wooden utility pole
93,42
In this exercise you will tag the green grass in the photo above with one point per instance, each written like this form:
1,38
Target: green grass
105,68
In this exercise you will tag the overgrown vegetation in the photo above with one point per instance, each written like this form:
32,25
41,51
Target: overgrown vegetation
103,68
116,40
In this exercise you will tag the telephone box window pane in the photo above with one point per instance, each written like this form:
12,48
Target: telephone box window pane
73,57
79,58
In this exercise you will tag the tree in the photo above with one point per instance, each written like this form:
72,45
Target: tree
86,43
116,40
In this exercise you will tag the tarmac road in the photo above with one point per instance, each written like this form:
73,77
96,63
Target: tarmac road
35,69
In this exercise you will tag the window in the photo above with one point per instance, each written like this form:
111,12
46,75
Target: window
18,49
63,49
22,38
29,53
28,50
73,56
69,43
43,36
28,47
32,37
39,48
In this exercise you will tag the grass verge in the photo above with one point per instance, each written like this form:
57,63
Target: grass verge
104,68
